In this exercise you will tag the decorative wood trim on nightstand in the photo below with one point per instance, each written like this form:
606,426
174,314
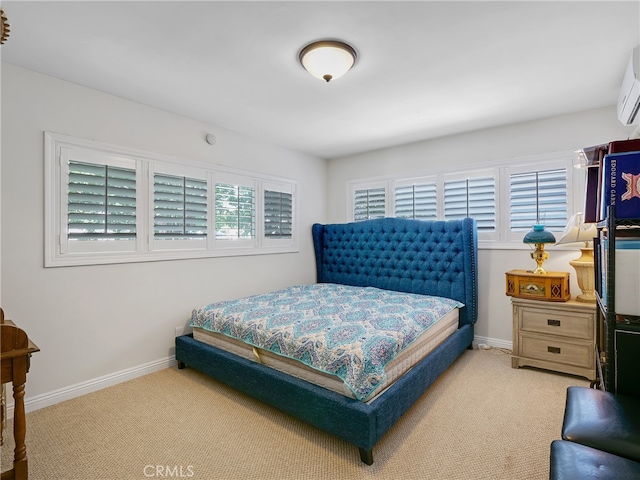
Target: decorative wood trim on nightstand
558,336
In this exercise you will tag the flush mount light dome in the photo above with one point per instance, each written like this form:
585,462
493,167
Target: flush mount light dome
328,59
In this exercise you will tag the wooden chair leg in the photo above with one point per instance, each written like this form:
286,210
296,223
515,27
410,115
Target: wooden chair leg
19,434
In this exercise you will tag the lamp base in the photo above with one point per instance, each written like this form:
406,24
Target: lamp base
539,271
539,255
587,297
585,275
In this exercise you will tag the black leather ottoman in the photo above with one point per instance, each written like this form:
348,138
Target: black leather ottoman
603,421
572,461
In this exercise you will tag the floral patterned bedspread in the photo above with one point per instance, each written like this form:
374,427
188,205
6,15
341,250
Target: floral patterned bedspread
350,332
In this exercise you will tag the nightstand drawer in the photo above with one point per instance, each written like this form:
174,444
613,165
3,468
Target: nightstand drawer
554,350
557,323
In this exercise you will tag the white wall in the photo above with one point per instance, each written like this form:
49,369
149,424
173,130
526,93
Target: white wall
94,321
472,150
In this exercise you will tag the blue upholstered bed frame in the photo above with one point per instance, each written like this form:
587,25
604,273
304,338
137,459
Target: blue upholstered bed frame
434,258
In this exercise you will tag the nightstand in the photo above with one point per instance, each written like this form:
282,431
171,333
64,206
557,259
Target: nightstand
555,336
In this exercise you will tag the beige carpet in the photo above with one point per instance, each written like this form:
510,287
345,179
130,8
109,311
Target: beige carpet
480,420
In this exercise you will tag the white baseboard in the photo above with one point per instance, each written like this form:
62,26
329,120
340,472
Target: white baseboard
73,391
493,342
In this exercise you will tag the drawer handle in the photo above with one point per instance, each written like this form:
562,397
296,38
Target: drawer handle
553,349
553,323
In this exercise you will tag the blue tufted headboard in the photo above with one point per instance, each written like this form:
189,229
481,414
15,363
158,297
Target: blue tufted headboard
415,256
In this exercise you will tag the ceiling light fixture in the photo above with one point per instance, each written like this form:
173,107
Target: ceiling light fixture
328,59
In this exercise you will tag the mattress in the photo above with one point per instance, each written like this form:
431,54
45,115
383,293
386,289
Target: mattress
397,367
352,340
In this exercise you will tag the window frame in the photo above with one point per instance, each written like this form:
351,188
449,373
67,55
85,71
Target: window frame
146,247
97,246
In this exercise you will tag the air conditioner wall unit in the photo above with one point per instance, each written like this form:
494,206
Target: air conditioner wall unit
629,97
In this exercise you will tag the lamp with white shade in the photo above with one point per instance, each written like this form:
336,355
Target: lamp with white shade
578,231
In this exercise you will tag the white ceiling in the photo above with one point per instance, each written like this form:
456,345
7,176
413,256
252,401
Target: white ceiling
425,69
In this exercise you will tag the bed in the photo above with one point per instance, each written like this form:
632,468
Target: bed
418,258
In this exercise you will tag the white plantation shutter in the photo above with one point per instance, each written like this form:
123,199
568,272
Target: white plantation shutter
101,202
179,207
538,197
108,204
418,202
505,198
471,197
235,211
369,203
278,214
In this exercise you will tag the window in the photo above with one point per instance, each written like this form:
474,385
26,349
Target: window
96,208
235,212
369,204
418,202
538,197
101,202
110,204
471,197
179,208
278,214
